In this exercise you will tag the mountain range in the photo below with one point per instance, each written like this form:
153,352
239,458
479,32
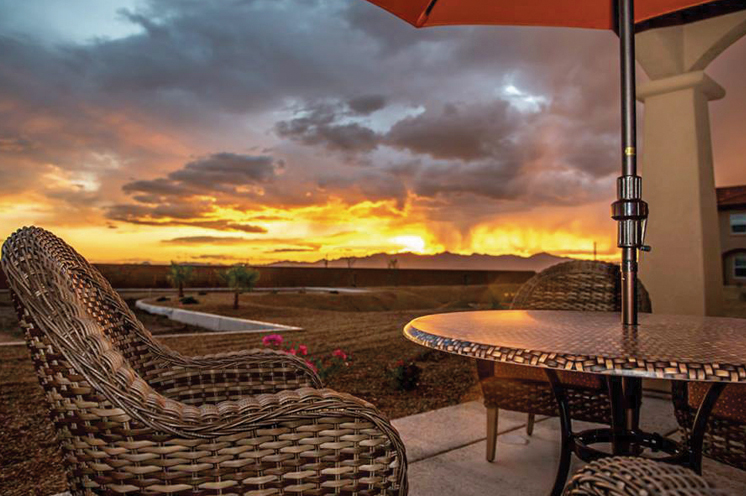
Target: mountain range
445,260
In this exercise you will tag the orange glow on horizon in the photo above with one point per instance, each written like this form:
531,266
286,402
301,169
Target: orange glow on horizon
310,233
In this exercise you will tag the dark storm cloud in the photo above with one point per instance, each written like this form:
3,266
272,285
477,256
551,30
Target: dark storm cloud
190,64
169,216
155,188
219,172
518,147
426,112
178,198
284,244
192,61
367,104
495,152
235,56
324,125
222,170
146,213
205,240
458,132
216,172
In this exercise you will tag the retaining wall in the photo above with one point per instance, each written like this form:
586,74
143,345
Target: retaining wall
211,321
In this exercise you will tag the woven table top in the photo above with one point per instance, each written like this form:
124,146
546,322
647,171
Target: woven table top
683,347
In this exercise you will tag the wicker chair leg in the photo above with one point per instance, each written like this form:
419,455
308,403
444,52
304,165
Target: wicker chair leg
530,424
492,418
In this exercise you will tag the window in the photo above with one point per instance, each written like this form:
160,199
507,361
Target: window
739,266
738,223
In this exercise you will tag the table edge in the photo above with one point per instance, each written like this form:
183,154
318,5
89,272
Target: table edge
588,364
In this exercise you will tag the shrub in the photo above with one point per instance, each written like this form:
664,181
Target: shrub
404,375
163,298
325,365
189,300
331,363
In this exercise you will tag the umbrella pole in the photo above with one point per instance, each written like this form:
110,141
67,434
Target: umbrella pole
629,210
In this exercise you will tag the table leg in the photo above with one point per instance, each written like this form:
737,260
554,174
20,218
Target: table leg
700,425
625,400
566,447
633,396
625,436
618,413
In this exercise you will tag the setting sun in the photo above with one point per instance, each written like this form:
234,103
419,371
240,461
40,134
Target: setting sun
414,244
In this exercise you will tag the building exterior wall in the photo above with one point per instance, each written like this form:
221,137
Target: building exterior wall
733,245
730,277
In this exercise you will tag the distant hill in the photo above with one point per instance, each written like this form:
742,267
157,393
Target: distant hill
445,260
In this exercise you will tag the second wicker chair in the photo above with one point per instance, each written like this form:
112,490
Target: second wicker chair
725,435
577,285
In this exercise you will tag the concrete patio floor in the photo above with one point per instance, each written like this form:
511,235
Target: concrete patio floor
446,452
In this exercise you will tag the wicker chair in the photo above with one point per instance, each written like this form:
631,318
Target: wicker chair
577,285
134,416
628,476
725,436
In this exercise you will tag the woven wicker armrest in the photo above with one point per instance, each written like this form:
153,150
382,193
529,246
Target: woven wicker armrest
309,439
223,376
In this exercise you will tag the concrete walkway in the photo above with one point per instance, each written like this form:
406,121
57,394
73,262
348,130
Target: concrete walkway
446,452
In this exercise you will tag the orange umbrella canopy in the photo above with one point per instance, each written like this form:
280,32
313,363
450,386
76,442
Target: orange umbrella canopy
595,14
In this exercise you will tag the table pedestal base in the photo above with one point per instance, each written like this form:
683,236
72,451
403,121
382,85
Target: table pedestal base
624,435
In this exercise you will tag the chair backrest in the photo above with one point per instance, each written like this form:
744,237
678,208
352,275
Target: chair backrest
581,285
82,337
36,262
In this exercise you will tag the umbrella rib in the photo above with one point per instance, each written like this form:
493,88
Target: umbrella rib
426,13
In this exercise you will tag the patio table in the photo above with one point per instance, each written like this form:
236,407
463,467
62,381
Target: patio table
677,347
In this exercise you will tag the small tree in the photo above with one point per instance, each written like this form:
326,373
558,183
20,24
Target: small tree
179,275
240,278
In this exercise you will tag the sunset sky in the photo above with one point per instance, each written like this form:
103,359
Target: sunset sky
264,130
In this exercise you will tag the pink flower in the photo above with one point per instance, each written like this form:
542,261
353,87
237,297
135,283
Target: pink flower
303,349
310,364
292,351
272,340
340,354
